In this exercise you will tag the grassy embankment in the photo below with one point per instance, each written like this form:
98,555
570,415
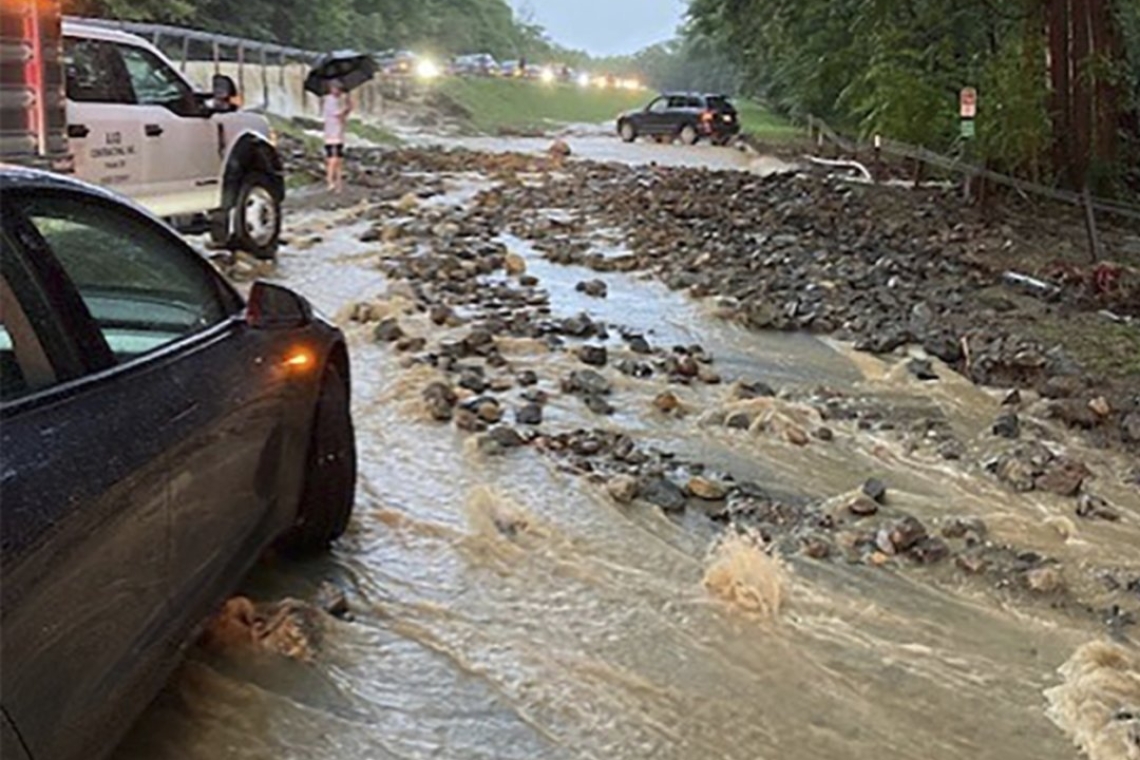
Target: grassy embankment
758,122
500,105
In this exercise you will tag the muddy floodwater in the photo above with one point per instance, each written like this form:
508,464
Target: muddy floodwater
504,607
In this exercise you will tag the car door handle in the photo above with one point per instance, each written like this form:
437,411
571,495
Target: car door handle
78,131
152,130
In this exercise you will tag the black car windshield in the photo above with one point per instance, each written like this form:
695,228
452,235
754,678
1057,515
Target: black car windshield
141,289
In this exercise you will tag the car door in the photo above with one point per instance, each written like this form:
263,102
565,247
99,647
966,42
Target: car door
653,118
682,110
106,141
182,145
235,434
84,524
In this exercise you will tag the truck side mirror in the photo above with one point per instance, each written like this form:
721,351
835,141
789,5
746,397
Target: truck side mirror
224,87
224,94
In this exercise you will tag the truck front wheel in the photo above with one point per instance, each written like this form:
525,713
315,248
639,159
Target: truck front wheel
257,223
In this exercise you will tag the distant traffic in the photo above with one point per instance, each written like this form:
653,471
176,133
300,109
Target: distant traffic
406,63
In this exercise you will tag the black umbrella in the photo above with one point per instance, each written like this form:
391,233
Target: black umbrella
351,68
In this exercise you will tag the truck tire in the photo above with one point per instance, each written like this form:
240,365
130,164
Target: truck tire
258,217
628,131
330,472
689,135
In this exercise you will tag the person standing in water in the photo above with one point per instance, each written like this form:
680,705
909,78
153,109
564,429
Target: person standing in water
336,107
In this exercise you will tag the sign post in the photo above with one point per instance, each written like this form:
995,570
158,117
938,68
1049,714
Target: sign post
967,111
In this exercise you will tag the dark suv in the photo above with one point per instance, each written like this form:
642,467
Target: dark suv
684,115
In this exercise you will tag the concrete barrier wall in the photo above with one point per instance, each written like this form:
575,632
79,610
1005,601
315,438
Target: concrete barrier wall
280,89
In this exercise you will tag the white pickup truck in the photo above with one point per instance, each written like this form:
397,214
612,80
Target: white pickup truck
128,120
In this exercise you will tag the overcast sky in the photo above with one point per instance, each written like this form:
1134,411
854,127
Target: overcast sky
607,27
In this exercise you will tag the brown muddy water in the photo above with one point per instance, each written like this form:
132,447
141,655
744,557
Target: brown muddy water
590,629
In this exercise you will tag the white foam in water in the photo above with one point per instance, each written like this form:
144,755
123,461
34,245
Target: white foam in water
1098,704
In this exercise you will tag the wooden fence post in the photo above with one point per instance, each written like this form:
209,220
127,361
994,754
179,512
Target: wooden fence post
1090,225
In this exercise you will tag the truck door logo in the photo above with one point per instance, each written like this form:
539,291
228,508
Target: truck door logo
113,159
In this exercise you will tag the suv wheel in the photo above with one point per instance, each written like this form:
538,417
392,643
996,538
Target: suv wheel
258,222
330,472
628,131
689,135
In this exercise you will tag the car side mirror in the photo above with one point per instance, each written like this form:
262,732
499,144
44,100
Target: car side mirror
272,307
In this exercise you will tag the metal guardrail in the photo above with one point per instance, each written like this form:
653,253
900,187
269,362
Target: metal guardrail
248,52
155,32
819,129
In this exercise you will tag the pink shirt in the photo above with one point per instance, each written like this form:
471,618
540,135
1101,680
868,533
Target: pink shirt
333,111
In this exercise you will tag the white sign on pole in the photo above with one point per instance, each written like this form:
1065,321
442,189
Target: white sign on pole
968,102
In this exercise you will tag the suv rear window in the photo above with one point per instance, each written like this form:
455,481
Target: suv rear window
720,103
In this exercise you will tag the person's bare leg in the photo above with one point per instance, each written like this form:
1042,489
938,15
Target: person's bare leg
330,172
340,174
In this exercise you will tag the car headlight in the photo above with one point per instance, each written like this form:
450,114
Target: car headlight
427,69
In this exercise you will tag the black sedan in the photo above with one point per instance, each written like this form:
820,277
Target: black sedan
157,432
685,116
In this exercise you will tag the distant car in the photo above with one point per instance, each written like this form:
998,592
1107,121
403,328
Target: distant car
396,63
687,116
511,69
157,432
479,64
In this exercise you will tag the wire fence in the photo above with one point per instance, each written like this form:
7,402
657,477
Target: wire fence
819,131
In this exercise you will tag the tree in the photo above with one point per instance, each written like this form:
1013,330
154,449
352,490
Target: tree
1059,80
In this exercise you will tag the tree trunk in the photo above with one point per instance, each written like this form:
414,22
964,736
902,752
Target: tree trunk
1059,107
1108,47
1082,98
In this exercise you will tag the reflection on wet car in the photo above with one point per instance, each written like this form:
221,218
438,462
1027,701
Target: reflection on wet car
157,432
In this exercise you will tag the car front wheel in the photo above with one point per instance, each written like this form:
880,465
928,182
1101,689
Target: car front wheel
330,471
628,132
258,222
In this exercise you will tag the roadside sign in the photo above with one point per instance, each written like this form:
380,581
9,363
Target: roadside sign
968,102
968,131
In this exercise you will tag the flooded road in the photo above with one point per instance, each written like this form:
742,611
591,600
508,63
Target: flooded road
594,146
509,607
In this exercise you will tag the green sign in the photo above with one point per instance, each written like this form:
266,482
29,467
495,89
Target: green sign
968,131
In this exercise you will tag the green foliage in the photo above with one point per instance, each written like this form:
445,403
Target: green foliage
441,26
895,68
894,97
1013,122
